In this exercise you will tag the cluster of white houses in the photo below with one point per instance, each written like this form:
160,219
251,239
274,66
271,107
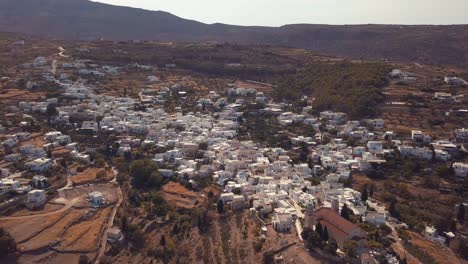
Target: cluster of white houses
37,159
204,144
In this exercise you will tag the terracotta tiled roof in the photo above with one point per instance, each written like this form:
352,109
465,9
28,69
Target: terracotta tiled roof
334,221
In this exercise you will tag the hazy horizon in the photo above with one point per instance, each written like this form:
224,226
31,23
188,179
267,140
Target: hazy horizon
336,12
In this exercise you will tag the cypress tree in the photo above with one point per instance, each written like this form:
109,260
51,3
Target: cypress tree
220,206
364,195
461,213
325,234
344,212
318,228
162,242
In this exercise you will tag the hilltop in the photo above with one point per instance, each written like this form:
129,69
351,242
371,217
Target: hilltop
86,20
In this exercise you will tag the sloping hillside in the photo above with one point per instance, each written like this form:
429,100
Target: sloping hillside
84,20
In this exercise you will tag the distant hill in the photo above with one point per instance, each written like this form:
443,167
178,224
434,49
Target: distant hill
85,20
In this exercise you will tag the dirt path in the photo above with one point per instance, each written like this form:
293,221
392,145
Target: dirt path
69,183
400,249
110,223
62,50
67,206
54,67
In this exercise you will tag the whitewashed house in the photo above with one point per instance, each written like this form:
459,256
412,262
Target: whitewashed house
39,165
375,218
461,135
97,199
282,222
52,136
461,169
375,146
10,142
35,199
417,136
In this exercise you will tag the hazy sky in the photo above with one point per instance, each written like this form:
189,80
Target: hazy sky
280,12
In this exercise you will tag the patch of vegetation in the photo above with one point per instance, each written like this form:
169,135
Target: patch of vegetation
419,254
206,249
417,206
225,237
7,243
353,88
145,174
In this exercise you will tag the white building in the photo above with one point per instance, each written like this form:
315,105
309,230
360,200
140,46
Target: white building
461,169
9,185
4,172
40,164
417,136
35,199
375,146
454,80
375,218
97,198
52,136
461,134
376,123
282,222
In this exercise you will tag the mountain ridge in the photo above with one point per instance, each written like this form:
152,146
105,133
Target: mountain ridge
87,20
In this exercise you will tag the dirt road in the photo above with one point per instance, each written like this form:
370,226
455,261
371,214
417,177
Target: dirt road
67,206
62,50
102,249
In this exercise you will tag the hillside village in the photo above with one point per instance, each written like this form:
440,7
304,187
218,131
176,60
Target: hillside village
63,155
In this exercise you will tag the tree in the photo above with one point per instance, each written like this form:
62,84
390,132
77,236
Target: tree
145,173
51,110
101,175
306,233
135,235
318,228
220,207
203,221
83,259
7,243
392,209
344,212
310,163
453,225
100,162
49,153
162,241
461,213
371,190
313,239
325,234
268,257
175,229
331,246
203,146
124,222
364,195
350,247
304,152
159,204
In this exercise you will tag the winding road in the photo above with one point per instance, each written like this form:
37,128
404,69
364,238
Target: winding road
62,50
